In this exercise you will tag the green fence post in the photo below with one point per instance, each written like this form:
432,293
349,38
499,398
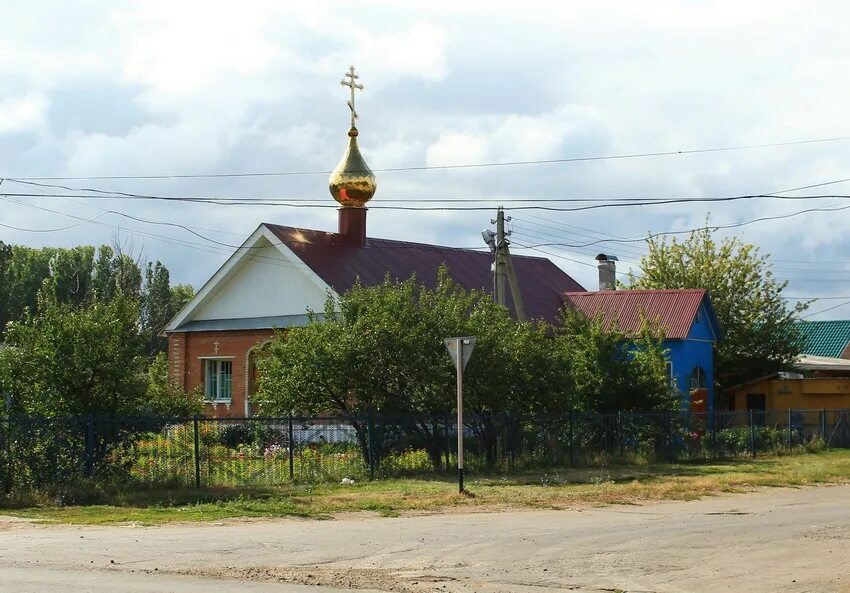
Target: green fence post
197,452
752,434
823,427
291,448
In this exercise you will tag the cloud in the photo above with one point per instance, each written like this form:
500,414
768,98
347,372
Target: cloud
22,113
159,87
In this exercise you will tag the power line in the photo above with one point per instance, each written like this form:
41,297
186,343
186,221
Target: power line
818,298
56,230
324,203
450,167
550,236
845,303
687,231
224,201
164,223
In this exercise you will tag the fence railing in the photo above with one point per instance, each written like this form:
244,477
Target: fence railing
40,453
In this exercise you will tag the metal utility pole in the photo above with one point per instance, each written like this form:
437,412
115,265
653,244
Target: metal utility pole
460,349
503,269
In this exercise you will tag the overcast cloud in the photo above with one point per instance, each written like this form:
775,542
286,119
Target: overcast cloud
148,88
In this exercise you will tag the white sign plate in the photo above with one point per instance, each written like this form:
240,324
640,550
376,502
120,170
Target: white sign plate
467,344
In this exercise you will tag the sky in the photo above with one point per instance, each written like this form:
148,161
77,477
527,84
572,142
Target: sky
196,88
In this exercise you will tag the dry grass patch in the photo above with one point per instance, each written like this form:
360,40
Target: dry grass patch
562,488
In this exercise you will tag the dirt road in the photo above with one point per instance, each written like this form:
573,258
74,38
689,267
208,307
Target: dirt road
770,541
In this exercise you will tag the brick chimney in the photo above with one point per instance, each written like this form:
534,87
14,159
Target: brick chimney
607,265
352,225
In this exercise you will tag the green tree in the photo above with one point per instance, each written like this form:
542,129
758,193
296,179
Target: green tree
83,274
63,361
5,304
66,361
757,323
610,371
379,350
159,303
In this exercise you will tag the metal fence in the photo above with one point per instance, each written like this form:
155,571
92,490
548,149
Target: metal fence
41,453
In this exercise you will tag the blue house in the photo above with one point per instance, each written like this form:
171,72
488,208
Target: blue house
686,318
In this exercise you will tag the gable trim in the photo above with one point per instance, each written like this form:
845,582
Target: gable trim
240,256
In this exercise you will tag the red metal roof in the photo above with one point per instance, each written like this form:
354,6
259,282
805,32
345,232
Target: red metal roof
339,262
672,310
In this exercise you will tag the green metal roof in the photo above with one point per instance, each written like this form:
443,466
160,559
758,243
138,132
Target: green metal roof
825,338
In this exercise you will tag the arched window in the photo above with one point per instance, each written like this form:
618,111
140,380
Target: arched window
698,379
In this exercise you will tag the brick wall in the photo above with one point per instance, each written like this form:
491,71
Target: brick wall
177,359
187,350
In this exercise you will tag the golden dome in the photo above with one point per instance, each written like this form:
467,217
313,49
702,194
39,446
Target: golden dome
352,183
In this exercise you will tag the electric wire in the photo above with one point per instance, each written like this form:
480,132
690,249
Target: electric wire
451,167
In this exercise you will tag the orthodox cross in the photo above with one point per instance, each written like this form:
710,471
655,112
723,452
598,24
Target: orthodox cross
352,84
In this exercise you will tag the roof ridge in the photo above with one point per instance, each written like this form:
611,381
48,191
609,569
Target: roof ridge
640,291
415,244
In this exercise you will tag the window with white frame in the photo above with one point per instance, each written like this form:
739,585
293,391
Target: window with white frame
698,379
218,379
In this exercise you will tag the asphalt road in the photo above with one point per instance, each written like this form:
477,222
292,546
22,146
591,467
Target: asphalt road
780,540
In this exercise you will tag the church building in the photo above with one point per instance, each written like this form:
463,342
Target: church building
281,272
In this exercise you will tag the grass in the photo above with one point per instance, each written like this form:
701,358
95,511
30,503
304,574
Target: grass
557,489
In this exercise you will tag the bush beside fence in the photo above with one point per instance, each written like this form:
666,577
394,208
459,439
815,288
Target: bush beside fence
42,454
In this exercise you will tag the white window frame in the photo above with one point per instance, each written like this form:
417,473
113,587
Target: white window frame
216,363
701,374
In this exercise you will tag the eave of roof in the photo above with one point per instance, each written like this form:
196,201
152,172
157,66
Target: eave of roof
822,363
276,322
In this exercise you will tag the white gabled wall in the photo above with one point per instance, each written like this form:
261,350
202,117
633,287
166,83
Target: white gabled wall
265,283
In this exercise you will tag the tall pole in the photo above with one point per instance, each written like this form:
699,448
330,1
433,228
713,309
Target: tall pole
500,269
459,369
503,269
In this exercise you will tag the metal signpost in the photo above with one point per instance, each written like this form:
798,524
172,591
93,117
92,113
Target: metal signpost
460,349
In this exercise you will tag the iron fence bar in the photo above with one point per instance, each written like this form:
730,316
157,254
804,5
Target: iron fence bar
370,445
89,445
197,448
8,475
752,434
714,433
790,441
291,452
448,444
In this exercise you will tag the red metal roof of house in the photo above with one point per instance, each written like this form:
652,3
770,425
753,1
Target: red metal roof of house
339,263
672,310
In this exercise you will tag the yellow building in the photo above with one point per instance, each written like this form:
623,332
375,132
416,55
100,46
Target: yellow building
826,386
808,393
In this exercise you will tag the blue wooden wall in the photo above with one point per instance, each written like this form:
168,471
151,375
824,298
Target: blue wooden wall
696,350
